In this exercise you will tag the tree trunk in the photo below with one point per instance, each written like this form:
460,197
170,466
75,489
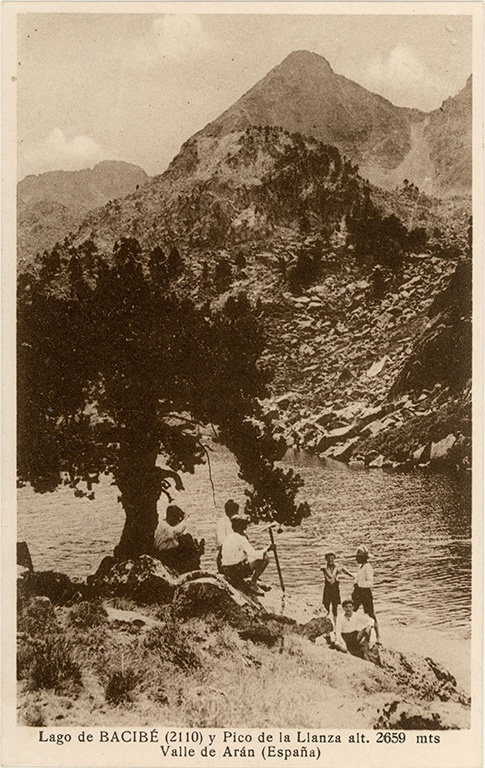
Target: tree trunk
138,480
141,483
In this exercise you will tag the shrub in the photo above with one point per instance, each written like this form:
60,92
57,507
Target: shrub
121,683
56,586
172,644
48,664
33,717
86,615
37,617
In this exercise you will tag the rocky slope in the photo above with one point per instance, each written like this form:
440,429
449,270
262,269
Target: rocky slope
449,136
245,185
52,204
193,650
303,94
386,381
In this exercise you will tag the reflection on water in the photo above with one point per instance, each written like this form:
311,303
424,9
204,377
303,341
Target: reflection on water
417,528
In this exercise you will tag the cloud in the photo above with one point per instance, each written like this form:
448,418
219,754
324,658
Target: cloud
402,78
56,152
173,36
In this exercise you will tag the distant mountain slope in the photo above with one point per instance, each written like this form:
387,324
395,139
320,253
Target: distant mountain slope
53,203
449,136
303,94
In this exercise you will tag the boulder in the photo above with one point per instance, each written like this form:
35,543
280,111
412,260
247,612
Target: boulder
316,627
119,619
370,415
422,454
403,716
342,452
214,595
373,428
429,679
377,367
378,462
441,450
326,417
284,401
335,436
261,633
144,580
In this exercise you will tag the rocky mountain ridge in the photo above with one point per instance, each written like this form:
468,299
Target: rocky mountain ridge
303,94
54,203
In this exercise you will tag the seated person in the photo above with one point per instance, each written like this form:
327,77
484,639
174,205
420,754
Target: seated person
353,631
241,564
173,546
224,528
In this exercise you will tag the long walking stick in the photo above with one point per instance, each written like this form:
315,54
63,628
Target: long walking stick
282,583
277,560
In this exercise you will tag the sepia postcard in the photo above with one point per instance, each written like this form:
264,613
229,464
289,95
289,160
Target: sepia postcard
242,292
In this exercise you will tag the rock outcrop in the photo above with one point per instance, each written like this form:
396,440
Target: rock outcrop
208,596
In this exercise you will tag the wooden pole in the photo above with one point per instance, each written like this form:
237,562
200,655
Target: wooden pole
277,561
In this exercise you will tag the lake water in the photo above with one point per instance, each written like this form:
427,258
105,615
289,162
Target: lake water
417,528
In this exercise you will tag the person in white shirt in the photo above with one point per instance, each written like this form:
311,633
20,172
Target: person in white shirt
224,528
364,583
352,631
169,530
241,563
173,546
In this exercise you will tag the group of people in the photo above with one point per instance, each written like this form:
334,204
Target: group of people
237,559
352,630
243,565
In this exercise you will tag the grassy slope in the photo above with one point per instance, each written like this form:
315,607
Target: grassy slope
78,668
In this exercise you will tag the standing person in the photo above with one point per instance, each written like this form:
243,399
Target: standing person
331,590
364,583
224,528
242,565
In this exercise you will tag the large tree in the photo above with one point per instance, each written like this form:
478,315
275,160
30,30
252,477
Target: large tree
116,369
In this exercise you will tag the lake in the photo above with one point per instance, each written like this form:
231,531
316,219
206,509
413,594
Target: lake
417,527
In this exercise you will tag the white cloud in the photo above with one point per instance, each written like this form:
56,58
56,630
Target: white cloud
173,36
180,34
402,78
56,152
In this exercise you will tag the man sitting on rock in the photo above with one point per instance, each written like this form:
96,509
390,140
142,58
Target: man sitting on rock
353,631
242,565
174,547
224,528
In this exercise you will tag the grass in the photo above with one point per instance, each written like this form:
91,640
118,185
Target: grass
48,663
77,668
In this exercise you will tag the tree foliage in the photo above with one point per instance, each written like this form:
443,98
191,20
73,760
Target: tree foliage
117,368
382,239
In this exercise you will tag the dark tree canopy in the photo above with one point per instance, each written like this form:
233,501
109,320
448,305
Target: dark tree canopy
116,368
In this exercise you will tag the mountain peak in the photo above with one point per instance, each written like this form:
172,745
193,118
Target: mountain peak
305,60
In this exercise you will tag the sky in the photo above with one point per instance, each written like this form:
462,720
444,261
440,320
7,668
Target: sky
135,86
